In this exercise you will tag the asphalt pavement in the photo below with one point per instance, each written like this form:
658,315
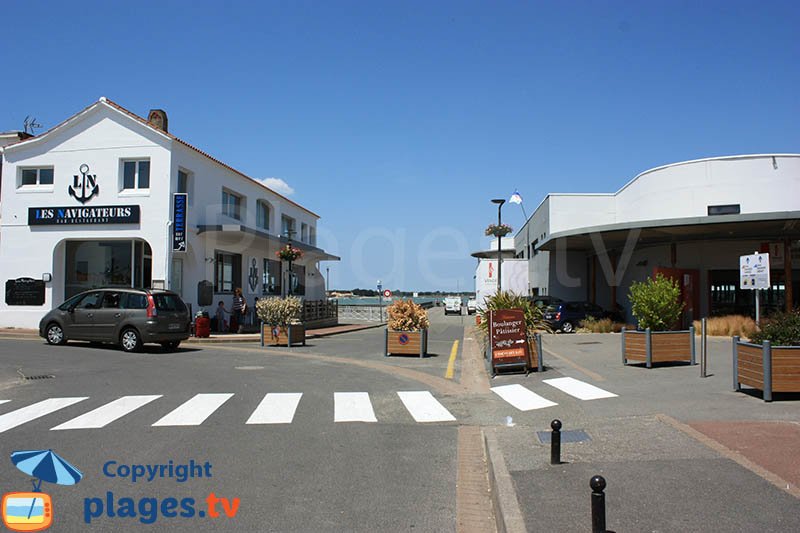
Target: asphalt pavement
333,436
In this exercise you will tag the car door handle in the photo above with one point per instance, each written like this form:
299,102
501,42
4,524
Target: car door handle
117,315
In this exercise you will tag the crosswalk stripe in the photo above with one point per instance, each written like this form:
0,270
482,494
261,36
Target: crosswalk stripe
37,410
276,408
424,407
579,389
352,407
4,401
194,411
105,414
522,398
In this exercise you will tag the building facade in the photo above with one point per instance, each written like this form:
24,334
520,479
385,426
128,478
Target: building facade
690,221
108,198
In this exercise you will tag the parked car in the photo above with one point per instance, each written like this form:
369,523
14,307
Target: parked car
472,306
127,317
566,316
543,301
452,305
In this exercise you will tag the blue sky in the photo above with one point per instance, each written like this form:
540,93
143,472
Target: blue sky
397,122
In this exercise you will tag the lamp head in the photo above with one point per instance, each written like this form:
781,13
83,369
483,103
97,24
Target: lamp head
499,201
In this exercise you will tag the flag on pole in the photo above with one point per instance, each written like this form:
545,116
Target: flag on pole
515,198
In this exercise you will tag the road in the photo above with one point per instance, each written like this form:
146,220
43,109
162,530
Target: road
335,437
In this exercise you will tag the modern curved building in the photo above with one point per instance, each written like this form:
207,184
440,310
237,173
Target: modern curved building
690,221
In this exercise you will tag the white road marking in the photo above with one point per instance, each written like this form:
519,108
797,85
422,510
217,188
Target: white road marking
579,389
194,411
352,407
37,410
105,414
424,407
522,398
4,401
276,408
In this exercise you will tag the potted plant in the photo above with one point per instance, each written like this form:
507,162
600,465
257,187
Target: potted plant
771,360
280,321
656,305
289,253
498,230
407,329
534,323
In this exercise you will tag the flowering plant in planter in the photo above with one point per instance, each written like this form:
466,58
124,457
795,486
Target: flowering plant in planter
405,315
498,230
287,253
279,312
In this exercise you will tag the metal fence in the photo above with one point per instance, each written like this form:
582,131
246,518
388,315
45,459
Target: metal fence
362,313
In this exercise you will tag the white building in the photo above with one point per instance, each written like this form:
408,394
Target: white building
90,203
514,271
690,221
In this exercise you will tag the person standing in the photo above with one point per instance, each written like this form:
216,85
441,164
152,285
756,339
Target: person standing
238,309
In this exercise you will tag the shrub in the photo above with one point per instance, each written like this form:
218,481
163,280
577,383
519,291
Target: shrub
279,312
656,303
782,329
534,316
405,315
727,326
604,325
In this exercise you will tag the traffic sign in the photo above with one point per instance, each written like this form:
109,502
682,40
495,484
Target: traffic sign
754,271
387,293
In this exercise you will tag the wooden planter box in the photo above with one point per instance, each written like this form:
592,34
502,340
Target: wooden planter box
766,367
406,343
294,334
658,346
535,349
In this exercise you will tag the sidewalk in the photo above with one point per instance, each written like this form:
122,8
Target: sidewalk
220,337
727,464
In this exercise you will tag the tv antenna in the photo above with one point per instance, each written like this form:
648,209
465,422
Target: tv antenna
30,124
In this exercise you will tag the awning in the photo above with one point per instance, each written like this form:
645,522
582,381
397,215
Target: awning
759,226
317,253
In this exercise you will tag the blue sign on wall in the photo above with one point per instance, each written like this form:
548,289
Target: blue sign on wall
179,206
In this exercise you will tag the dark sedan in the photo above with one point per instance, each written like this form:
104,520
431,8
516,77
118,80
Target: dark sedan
566,316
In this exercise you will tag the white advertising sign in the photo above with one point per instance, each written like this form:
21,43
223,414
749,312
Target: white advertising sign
754,271
515,278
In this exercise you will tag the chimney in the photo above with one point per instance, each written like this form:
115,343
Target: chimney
158,119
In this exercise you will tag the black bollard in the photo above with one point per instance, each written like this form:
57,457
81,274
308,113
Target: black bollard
598,484
555,442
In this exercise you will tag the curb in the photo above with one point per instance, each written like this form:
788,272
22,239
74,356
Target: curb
507,512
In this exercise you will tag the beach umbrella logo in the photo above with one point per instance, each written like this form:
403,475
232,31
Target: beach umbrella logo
33,511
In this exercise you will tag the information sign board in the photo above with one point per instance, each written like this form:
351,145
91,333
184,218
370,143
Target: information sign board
508,339
754,271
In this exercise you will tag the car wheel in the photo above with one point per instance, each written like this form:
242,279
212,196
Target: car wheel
170,346
567,327
55,335
130,340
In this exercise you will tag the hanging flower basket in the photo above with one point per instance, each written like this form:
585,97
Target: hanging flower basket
287,253
498,230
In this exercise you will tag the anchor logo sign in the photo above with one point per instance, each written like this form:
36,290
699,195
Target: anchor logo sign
85,186
252,279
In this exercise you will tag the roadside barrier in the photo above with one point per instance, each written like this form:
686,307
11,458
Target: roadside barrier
555,442
598,485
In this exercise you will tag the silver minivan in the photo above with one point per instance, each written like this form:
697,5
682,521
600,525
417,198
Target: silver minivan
127,317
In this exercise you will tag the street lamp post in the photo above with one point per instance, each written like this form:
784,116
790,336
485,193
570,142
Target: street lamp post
499,202
289,233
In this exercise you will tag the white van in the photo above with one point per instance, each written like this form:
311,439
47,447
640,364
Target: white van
452,305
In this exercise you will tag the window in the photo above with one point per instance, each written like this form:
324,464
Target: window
36,176
271,285
312,236
183,181
262,215
91,301
135,175
227,272
303,232
231,205
298,281
111,300
135,301
287,226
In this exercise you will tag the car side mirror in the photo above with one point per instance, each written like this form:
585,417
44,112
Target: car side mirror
71,309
